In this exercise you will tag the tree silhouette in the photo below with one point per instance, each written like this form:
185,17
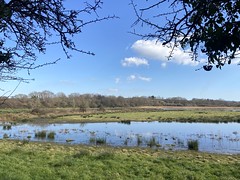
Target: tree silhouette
204,26
26,27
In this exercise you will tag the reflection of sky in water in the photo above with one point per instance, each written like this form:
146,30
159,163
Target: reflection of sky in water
212,137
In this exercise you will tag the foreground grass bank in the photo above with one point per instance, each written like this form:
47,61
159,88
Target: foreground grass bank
22,160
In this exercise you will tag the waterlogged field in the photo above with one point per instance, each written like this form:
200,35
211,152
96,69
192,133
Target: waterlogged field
213,129
23,160
211,137
150,158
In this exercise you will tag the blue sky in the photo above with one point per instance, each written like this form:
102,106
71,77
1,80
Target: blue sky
125,65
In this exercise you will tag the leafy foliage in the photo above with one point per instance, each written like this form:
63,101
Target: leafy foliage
203,26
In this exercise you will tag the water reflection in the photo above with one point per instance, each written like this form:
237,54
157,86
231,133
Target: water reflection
212,137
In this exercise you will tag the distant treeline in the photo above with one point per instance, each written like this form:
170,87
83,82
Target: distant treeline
47,99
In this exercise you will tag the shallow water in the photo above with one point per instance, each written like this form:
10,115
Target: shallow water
212,137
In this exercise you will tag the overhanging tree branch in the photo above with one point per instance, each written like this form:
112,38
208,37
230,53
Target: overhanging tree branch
27,27
205,26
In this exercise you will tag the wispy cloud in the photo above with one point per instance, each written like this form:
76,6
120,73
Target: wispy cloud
151,49
144,78
134,61
138,77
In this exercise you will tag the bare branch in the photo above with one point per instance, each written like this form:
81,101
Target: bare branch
30,25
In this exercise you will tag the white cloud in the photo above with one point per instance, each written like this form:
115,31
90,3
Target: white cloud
137,77
144,78
134,61
132,77
156,51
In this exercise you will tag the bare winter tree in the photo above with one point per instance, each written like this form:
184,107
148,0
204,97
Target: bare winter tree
204,26
27,25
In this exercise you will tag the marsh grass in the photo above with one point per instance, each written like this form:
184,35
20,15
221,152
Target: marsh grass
101,141
92,140
44,134
5,136
139,140
7,127
193,145
125,142
51,135
41,134
97,141
152,142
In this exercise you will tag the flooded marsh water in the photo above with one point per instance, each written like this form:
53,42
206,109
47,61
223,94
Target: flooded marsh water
212,137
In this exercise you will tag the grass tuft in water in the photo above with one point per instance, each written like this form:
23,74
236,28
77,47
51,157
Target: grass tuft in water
51,135
5,136
101,141
92,140
41,134
7,127
152,142
139,140
193,145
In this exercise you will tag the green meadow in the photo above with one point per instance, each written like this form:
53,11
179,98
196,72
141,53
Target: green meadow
163,116
58,115
25,160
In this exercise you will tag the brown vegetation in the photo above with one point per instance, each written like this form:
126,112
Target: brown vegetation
47,99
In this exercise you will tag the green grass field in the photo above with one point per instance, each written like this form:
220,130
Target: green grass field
58,115
23,160
176,115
